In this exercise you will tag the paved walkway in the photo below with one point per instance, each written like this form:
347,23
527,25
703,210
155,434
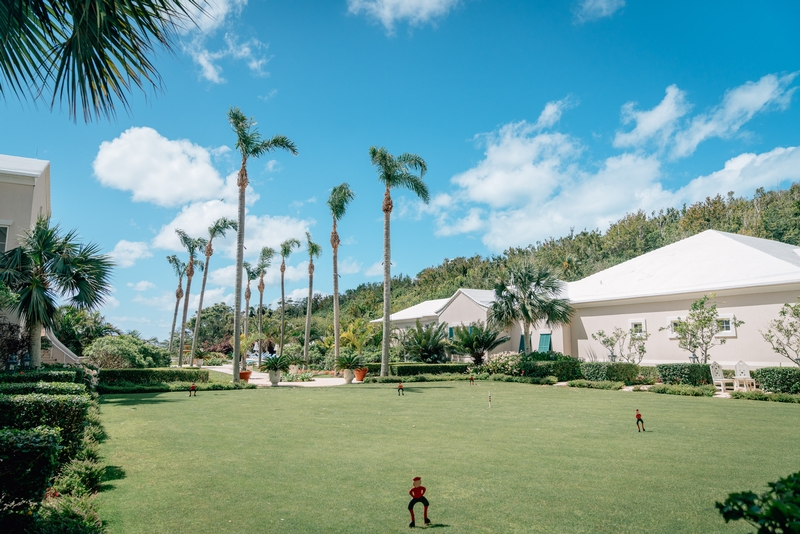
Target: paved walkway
262,379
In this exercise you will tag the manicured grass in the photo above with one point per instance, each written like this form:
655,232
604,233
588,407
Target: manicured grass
542,459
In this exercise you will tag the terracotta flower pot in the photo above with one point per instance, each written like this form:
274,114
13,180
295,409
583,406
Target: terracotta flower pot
360,374
245,375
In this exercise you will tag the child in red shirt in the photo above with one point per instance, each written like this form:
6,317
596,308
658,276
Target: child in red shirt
418,495
192,389
639,421
400,389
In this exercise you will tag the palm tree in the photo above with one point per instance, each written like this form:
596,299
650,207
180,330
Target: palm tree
426,343
264,263
529,294
251,273
218,229
250,144
394,172
476,340
314,251
358,334
341,196
192,245
180,269
94,51
286,250
49,266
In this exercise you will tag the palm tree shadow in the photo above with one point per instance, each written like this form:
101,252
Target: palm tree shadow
111,473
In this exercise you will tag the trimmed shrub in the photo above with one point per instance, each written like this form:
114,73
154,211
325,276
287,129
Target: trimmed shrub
374,368
79,477
110,377
608,371
410,369
546,356
693,374
602,384
166,387
39,376
761,396
115,352
28,459
69,515
647,375
684,389
779,379
563,370
67,412
47,388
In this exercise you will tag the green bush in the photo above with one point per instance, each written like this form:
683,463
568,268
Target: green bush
39,376
67,412
684,389
448,377
28,459
779,379
110,377
48,388
120,352
546,356
544,380
647,375
601,384
79,477
610,371
373,368
693,374
777,510
68,515
410,369
165,387
214,361
761,396
563,370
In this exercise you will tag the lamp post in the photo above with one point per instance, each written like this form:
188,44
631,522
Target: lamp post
26,362
693,358
11,364
612,357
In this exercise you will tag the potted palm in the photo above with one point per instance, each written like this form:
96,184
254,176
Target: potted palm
274,365
348,363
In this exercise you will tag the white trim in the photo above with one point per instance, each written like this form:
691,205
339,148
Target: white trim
643,322
19,179
670,332
8,231
727,333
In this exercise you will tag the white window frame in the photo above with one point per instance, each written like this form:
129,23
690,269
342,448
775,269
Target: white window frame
727,333
670,331
632,322
5,223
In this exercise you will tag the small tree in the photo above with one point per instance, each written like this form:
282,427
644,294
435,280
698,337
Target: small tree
784,332
426,343
629,345
777,510
476,340
697,333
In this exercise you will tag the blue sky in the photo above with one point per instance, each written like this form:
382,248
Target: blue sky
534,117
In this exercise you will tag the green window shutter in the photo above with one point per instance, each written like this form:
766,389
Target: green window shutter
522,343
450,333
470,329
545,344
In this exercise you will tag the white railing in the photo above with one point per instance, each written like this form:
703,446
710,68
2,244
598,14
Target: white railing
59,353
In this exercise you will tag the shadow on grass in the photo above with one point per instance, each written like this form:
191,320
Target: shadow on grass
132,399
111,473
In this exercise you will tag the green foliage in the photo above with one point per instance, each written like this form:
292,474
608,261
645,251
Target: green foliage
39,376
69,515
779,379
775,511
426,343
683,389
629,345
67,412
476,340
109,377
410,369
28,459
603,384
77,328
165,387
348,361
697,333
78,478
47,388
7,297
761,396
123,352
277,363
568,369
14,341
648,374
615,372
693,374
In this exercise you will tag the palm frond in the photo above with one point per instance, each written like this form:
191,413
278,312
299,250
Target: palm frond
289,245
265,259
178,267
340,197
221,226
414,184
314,249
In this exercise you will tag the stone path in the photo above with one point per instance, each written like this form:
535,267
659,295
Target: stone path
262,379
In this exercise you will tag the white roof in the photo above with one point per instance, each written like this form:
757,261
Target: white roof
424,310
707,262
22,166
484,297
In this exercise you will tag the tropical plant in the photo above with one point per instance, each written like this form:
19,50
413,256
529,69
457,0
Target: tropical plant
628,344
426,343
348,361
91,52
277,363
286,249
77,328
394,172
698,332
783,333
192,245
264,263
476,340
7,297
341,196
775,511
314,251
528,294
250,144
180,269
358,335
48,266
218,229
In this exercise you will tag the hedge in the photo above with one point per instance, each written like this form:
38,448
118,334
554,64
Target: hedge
28,459
47,388
693,374
548,380
67,412
373,368
39,376
779,379
563,370
611,372
410,369
596,384
545,356
683,389
761,396
151,376
163,387
648,374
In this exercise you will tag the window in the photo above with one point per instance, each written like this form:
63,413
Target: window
3,238
545,343
637,327
726,326
450,333
672,323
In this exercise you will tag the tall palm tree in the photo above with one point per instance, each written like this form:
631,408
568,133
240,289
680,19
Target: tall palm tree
264,263
180,269
47,266
250,144
192,245
529,294
251,273
93,51
314,251
341,196
218,229
286,249
394,172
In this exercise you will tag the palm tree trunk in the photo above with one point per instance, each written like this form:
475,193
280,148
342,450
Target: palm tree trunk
200,306
387,280
185,313
335,247
283,303
308,308
527,337
246,324
237,299
36,345
260,313
178,297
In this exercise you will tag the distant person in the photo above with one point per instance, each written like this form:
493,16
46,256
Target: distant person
471,380
193,389
639,421
418,495
400,389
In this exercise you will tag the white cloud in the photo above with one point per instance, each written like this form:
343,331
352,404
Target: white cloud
164,302
659,122
552,111
349,266
390,12
376,269
472,222
126,253
738,106
142,285
589,10
226,276
210,297
251,52
110,303
156,169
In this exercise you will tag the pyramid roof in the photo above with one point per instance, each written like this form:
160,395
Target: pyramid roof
424,310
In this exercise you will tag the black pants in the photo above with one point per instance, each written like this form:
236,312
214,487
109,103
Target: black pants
423,500
401,392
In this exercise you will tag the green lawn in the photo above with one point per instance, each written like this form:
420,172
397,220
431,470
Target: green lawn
341,459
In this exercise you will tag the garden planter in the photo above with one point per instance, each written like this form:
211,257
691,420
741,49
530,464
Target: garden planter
245,375
274,377
361,374
348,376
